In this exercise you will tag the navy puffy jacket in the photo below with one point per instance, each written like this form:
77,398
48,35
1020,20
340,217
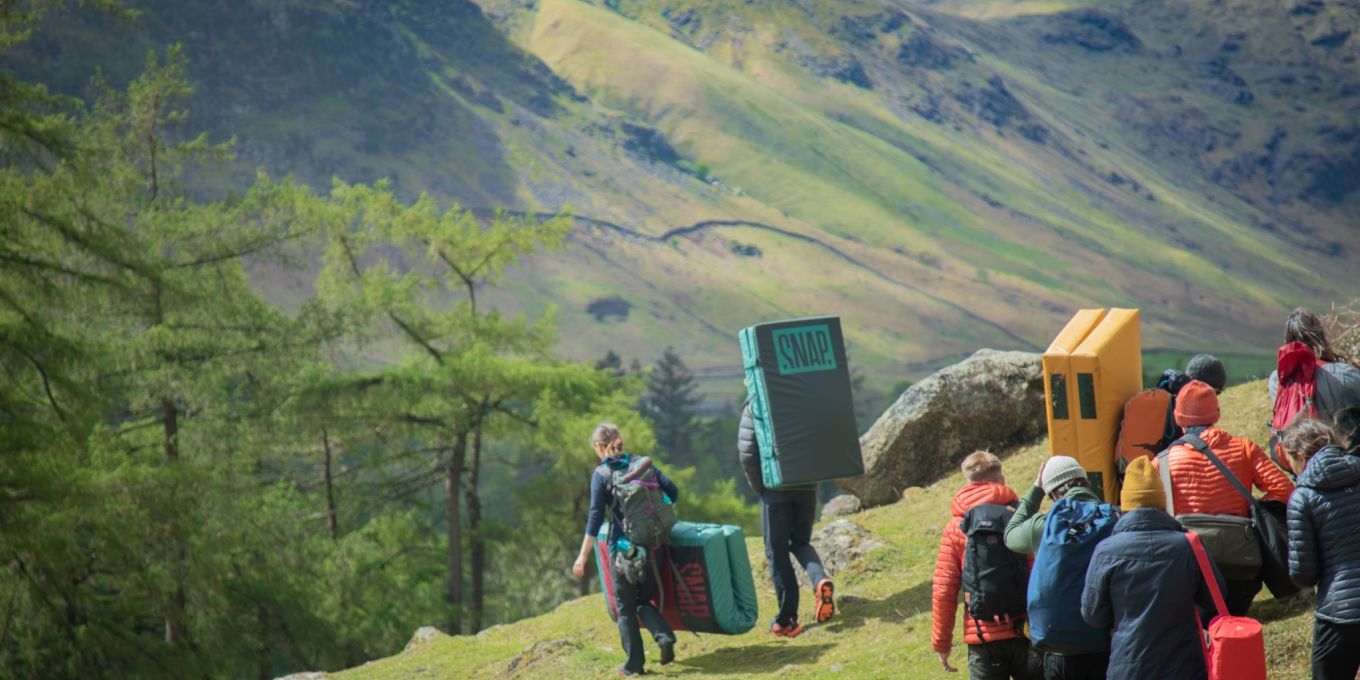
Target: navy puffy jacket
1144,581
1324,547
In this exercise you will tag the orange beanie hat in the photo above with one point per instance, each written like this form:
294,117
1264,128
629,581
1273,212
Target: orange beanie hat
1196,404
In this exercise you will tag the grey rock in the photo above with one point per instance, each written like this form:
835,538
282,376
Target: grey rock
842,505
422,636
991,400
839,544
313,675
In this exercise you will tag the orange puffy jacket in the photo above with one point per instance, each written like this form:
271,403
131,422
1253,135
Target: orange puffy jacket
1198,486
949,571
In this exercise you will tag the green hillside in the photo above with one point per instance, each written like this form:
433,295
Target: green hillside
944,175
882,628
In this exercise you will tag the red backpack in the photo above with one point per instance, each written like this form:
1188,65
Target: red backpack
1294,392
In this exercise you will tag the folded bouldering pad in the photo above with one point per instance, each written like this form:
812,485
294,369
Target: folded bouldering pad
801,403
705,579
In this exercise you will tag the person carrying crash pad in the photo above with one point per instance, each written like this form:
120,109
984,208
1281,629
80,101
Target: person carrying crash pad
973,558
1145,583
1062,542
620,483
786,517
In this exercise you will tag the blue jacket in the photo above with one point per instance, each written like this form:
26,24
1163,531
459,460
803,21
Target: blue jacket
602,496
1324,547
1144,581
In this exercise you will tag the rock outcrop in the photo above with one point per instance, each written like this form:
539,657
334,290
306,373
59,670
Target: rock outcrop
839,544
991,400
537,652
842,505
422,636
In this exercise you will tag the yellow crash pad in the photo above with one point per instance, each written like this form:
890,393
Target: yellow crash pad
1097,362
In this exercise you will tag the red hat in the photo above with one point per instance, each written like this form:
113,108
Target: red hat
1196,404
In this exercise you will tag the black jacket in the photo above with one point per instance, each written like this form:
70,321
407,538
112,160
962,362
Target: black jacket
1144,581
748,453
748,450
1324,547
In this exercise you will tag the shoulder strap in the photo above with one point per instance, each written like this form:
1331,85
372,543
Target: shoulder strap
1164,458
1193,439
1207,571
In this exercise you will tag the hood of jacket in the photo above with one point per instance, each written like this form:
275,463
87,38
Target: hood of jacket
1331,468
979,493
1147,519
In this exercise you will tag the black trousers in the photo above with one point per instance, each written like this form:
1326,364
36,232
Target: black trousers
1336,650
634,602
786,522
1076,666
1239,594
1003,660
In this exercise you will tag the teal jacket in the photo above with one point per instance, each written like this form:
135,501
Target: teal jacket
1026,528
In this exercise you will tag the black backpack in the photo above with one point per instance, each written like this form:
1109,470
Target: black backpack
995,579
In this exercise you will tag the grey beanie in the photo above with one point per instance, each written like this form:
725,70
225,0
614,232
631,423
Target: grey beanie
1207,369
1060,470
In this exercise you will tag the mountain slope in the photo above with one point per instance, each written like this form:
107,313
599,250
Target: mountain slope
944,175
882,628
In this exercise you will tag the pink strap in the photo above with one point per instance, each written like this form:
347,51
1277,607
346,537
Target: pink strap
1208,572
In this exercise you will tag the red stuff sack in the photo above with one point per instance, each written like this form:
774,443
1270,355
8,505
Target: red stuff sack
1236,649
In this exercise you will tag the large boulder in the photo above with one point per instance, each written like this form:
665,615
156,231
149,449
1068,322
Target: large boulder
991,400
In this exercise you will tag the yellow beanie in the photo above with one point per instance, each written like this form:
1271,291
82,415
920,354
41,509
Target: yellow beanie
1142,486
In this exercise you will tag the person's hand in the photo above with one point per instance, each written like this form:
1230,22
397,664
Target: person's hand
579,568
1039,479
944,661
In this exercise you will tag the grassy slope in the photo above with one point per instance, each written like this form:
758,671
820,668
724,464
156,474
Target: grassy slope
882,630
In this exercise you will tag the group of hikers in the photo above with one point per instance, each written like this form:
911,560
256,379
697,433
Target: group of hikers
1093,589
1090,588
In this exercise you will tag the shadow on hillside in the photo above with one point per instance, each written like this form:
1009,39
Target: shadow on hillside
755,659
851,614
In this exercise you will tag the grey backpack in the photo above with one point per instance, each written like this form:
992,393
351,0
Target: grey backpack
647,514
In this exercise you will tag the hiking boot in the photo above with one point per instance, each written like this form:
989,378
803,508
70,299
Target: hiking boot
667,651
786,630
825,605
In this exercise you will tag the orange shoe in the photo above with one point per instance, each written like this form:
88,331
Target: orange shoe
789,631
826,607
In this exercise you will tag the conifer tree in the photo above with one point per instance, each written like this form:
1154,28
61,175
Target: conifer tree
670,404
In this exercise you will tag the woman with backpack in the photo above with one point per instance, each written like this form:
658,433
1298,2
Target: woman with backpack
1324,548
634,567
1311,377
